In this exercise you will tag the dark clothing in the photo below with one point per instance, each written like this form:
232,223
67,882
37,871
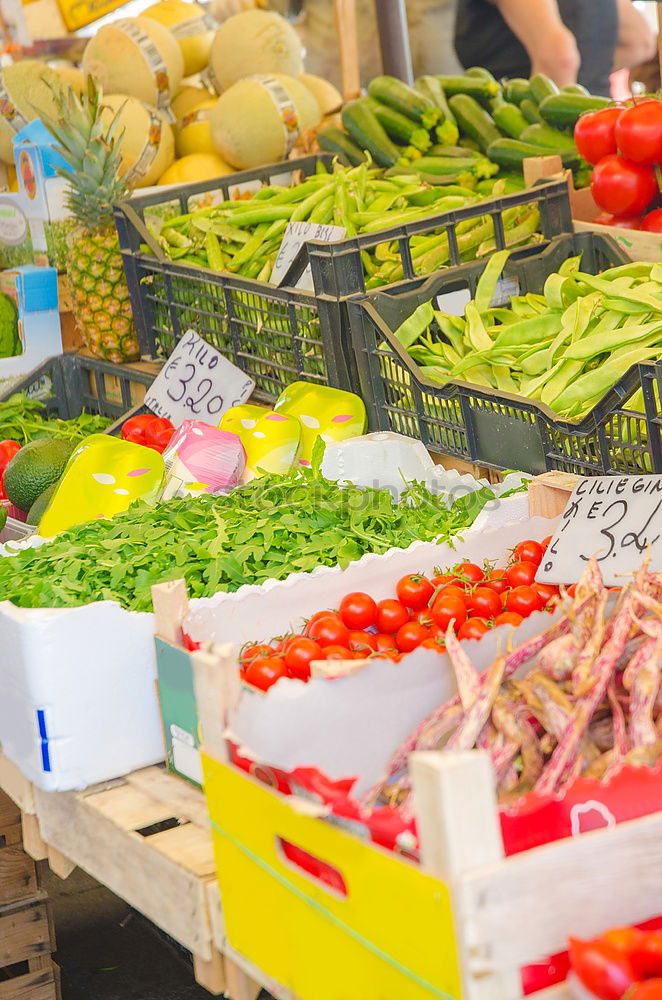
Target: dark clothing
482,38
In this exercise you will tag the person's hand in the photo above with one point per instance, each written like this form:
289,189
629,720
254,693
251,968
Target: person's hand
557,57
223,9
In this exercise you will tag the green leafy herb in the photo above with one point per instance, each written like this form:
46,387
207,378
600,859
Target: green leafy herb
23,419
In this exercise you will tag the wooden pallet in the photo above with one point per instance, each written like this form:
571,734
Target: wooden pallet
18,872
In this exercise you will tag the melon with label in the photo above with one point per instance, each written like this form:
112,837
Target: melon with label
254,41
147,143
136,56
260,119
26,89
191,27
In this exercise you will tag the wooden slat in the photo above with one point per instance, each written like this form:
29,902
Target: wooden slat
184,801
18,875
188,846
10,814
15,785
25,931
502,907
129,808
33,986
549,493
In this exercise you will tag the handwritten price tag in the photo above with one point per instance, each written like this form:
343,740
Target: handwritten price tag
296,234
617,520
197,383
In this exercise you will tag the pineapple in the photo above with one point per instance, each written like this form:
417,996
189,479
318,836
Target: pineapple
101,303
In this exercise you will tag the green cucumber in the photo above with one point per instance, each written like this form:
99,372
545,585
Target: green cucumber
541,87
516,90
474,120
430,87
575,88
460,151
466,143
545,135
399,127
474,86
480,73
530,111
564,109
360,121
334,140
509,119
404,99
511,153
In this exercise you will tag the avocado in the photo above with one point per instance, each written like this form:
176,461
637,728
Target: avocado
34,468
38,508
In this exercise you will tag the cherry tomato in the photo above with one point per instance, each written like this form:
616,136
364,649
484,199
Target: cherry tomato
622,221
362,642
468,573
328,631
595,134
624,939
645,953
483,603
508,618
521,574
264,671
321,614
391,615
358,610
602,969
251,652
299,654
473,628
410,636
414,591
452,590
155,430
523,601
384,642
546,592
447,609
424,618
135,426
8,449
497,582
529,551
433,643
545,542
652,223
338,652
621,187
639,133
651,989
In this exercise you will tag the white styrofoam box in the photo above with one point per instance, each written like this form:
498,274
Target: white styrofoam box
79,703
297,724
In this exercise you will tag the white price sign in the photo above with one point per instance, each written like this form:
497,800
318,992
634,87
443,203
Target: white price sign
197,383
617,520
296,234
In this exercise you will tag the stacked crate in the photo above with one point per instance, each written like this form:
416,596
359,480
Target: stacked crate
27,971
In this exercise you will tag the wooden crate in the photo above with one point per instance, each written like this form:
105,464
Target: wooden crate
27,971
18,874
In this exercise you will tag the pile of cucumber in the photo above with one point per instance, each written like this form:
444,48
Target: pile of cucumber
462,129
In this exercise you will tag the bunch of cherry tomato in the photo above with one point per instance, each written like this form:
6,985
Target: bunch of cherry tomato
148,430
8,449
625,147
623,962
474,599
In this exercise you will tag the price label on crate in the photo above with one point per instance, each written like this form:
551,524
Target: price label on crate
617,520
197,383
296,234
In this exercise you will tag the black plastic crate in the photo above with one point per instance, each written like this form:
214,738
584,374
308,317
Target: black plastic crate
278,335
499,430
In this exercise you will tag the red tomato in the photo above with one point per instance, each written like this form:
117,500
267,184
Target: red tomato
414,591
639,133
621,187
8,449
452,590
521,574
468,573
523,601
136,426
358,610
447,609
653,221
391,615
529,551
299,655
321,614
362,642
649,990
156,430
251,652
497,581
410,636
645,953
264,671
338,652
547,592
328,631
441,579
384,642
473,628
624,938
424,618
508,618
483,602
433,643
595,135
622,221
601,968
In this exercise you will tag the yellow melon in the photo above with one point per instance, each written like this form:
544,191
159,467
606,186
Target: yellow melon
28,89
147,144
196,167
136,56
327,96
187,98
259,120
193,130
193,30
255,41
